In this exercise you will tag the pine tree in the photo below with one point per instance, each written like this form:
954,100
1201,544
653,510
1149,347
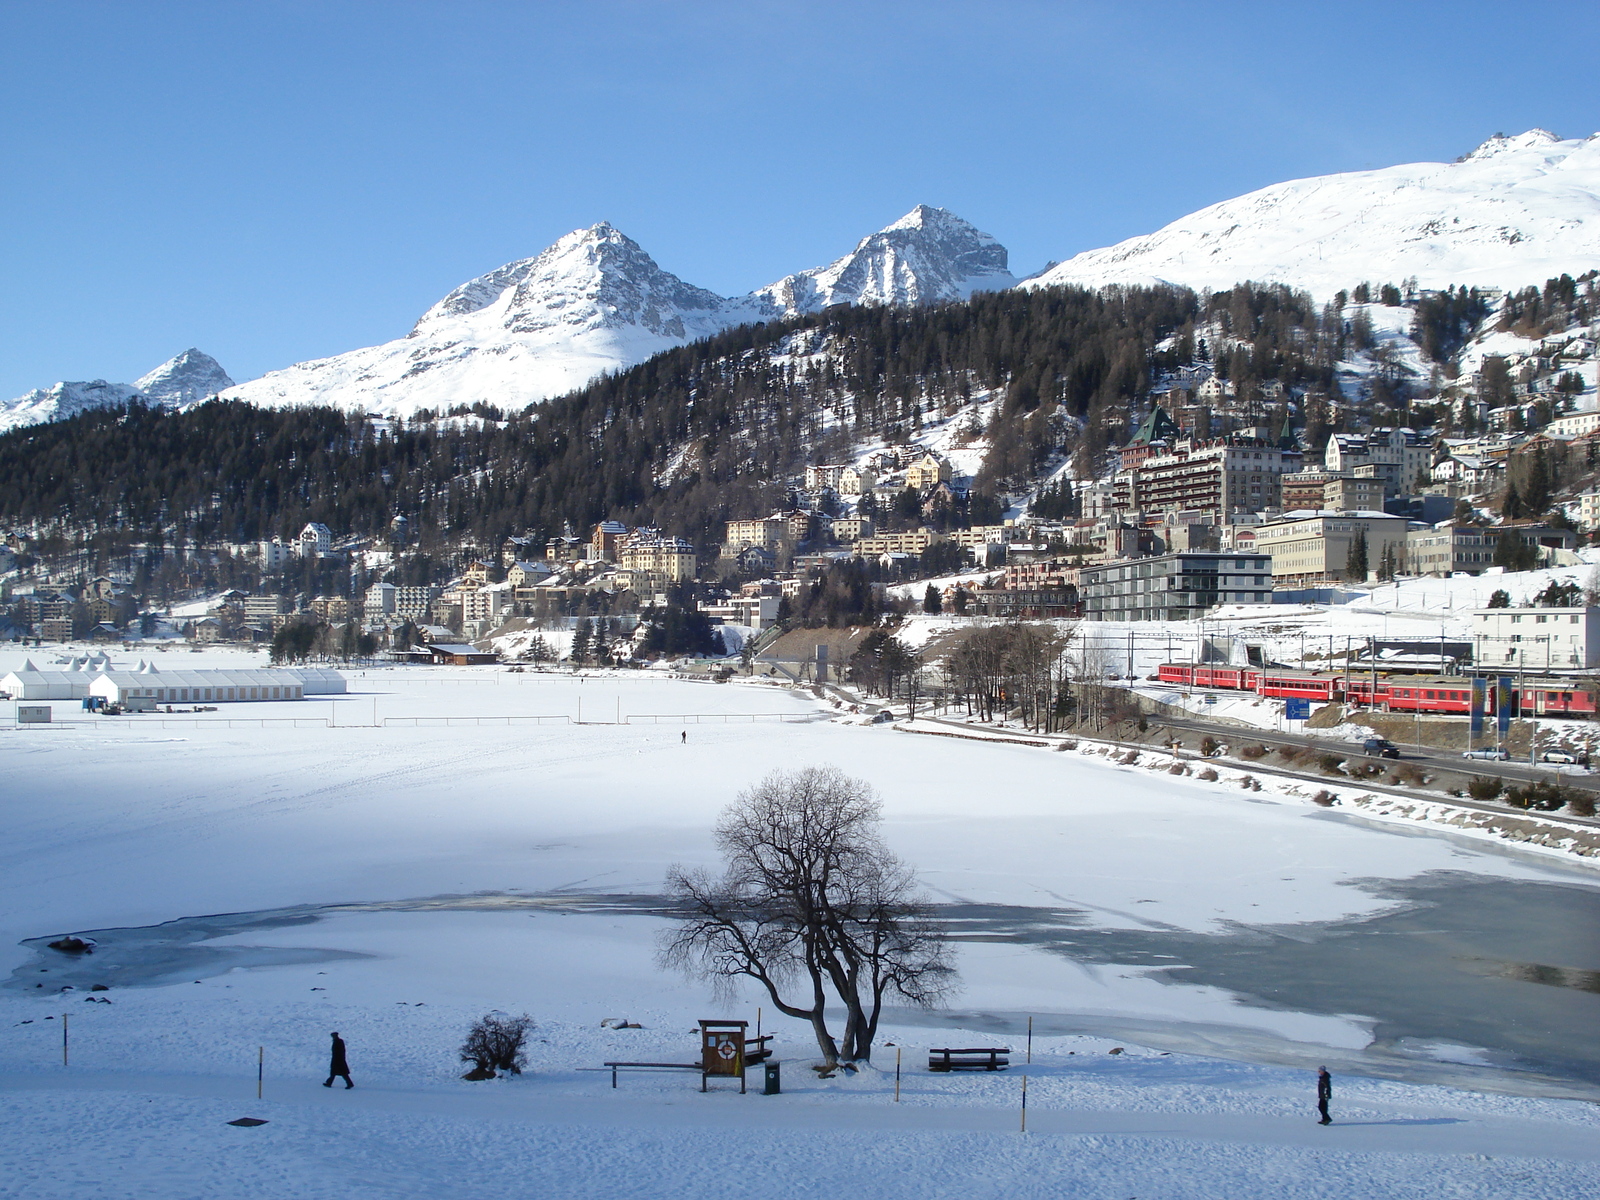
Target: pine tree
930,600
1355,566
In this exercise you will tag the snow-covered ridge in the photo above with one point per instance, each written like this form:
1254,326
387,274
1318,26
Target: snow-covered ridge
1516,211
184,379
595,301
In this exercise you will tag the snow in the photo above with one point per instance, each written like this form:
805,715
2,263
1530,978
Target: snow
1515,212
131,822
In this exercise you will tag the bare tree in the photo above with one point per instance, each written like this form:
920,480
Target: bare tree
494,1043
811,903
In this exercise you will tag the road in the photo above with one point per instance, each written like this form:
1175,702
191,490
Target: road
1440,761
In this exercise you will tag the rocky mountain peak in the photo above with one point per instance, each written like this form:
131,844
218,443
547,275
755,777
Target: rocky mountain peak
185,379
927,256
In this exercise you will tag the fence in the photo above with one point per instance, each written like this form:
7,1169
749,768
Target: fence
709,718
445,721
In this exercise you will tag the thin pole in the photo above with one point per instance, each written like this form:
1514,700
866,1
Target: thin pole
63,1039
897,1074
1030,1032
261,1060
1024,1104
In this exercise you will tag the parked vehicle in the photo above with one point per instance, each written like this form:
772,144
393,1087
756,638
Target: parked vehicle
1489,752
1381,748
1560,757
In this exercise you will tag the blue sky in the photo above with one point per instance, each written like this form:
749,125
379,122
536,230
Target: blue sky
276,181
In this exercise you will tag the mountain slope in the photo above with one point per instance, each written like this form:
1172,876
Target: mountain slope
1516,211
596,302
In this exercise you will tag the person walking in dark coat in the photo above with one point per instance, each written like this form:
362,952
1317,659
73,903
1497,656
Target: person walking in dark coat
1324,1094
338,1068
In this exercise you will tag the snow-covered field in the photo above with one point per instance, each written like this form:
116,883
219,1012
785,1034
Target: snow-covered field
115,823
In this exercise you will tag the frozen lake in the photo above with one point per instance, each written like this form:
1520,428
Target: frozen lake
1097,898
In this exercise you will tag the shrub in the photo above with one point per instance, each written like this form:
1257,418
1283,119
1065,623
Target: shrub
1484,787
1128,759
1410,774
1209,747
494,1043
1252,752
1542,796
1366,770
1329,764
1581,804
1177,769
1287,753
1325,798
1210,776
1250,783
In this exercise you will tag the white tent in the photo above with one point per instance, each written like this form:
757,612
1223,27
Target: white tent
321,681
30,683
198,687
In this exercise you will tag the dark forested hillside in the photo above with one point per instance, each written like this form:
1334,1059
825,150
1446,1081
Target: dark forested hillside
685,441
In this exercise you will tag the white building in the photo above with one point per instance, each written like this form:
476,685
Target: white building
278,553
1399,454
380,601
197,687
316,540
758,612
1536,639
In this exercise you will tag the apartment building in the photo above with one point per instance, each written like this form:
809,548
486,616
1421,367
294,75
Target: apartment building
1536,639
1309,548
1173,587
1213,478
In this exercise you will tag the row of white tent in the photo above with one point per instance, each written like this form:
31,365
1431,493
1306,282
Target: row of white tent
173,687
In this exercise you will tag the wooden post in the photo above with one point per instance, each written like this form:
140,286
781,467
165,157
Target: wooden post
897,1074
1024,1104
261,1060
63,1039
1030,1039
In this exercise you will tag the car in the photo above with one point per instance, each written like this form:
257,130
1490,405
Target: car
1559,757
1381,748
1491,752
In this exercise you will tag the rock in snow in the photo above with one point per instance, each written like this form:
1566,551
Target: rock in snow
1514,212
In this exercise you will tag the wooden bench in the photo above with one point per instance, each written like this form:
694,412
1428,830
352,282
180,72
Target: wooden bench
982,1058
756,1049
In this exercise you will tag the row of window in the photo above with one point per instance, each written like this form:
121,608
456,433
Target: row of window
200,695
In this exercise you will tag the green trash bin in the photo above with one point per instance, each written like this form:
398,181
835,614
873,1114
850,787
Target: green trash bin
772,1083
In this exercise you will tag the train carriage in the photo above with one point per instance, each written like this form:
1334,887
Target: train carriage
1300,686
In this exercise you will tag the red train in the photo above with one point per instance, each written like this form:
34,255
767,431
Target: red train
1392,693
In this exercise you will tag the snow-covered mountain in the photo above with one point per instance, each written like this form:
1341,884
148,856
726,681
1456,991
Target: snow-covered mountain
62,400
596,302
1516,211
926,257
186,378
